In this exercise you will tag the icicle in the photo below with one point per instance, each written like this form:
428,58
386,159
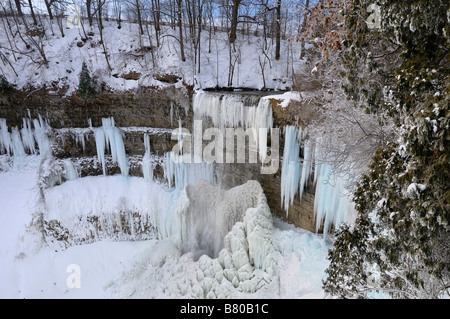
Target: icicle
101,145
109,136
81,139
147,167
179,174
28,137
306,167
230,111
332,202
291,168
17,145
41,136
5,138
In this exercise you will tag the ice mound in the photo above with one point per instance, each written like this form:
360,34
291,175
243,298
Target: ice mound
246,263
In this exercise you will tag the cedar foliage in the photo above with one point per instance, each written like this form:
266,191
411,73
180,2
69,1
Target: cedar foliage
401,70
86,87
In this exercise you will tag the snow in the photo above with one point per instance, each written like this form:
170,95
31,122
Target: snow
260,257
414,189
124,46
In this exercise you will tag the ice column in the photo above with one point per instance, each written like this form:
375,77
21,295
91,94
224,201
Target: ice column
291,167
179,173
5,137
110,137
230,111
41,136
332,200
147,166
28,139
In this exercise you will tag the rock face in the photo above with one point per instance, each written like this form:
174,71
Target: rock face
146,107
137,113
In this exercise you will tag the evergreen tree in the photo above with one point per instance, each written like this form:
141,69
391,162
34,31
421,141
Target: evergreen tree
399,69
5,86
86,87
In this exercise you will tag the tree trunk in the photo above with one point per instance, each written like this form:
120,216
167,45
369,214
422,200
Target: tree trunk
138,10
32,12
156,19
180,27
89,12
100,27
48,4
19,8
305,15
278,31
234,20
200,13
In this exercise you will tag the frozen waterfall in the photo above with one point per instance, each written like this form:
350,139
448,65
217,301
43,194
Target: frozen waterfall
332,202
231,111
109,137
147,164
27,140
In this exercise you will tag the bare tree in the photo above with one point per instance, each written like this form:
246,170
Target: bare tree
100,4
303,29
156,12
234,20
59,13
48,5
278,30
19,8
117,10
33,15
180,28
89,12
139,16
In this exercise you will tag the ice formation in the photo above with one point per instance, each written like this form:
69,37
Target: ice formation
22,142
28,138
40,127
70,170
109,137
246,263
209,213
147,164
291,167
231,111
332,203
178,172
90,209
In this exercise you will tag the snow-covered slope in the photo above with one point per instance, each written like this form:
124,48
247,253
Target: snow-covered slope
133,64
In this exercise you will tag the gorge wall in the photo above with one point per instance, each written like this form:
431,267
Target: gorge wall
154,112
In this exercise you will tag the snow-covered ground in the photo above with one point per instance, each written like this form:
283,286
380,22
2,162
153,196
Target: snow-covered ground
282,261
